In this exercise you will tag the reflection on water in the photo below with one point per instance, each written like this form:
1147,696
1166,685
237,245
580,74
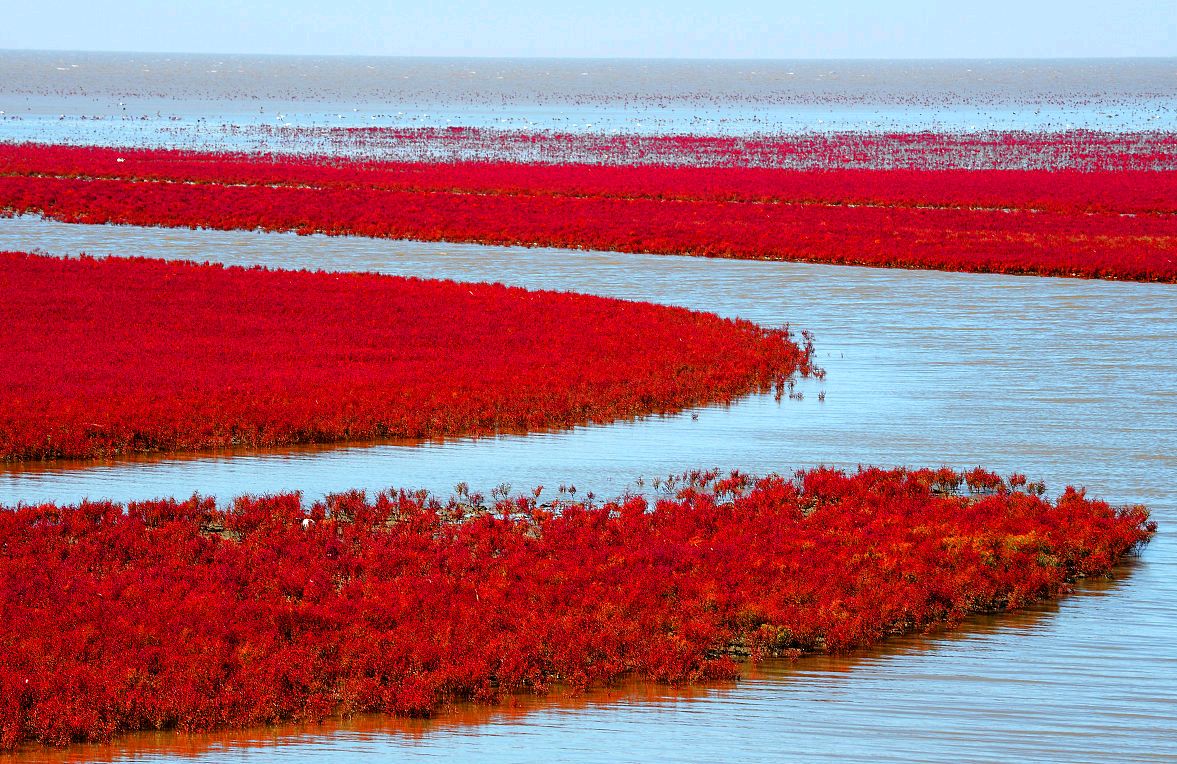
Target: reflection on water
1068,380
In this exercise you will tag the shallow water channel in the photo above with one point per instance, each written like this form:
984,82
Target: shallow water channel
1068,380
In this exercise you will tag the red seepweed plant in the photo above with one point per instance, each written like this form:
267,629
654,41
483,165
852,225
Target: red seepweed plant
115,356
1089,218
181,615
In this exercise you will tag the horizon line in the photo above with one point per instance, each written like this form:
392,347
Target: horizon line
587,58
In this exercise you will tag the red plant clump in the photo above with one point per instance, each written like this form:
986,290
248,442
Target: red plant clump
179,615
1060,190
111,356
1117,224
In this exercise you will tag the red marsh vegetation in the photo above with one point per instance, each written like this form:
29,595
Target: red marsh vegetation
116,356
1113,223
181,615
926,150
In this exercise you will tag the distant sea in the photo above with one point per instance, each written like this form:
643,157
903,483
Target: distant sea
195,100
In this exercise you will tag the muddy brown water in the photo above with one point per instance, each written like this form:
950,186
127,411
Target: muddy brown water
1068,380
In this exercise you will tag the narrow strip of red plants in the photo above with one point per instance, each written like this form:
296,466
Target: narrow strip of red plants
926,150
115,356
1063,189
1095,223
181,615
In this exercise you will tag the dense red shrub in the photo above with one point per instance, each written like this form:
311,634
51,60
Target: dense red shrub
1057,190
177,614
1117,224
112,356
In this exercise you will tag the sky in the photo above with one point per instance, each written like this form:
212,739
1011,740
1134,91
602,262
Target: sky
604,28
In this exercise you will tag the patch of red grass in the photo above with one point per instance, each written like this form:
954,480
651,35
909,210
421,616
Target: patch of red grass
1096,223
112,356
177,614
1065,190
